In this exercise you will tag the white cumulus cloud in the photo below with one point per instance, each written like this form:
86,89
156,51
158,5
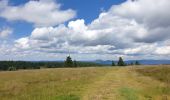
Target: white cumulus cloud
5,32
135,29
38,12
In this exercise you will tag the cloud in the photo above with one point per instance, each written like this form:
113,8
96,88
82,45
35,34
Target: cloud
5,32
144,11
129,29
150,13
165,50
22,43
38,12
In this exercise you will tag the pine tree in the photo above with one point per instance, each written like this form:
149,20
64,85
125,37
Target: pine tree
113,63
137,63
75,63
121,62
68,62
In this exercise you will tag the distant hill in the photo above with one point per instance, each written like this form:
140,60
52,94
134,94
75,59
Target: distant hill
143,62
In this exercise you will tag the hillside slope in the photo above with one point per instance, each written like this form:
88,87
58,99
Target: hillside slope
108,83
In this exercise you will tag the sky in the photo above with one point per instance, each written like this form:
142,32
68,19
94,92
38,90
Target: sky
35,30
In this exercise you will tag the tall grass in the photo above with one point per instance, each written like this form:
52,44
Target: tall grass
47,84
95,83
161,73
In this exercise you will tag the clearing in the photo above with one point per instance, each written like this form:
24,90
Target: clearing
93,83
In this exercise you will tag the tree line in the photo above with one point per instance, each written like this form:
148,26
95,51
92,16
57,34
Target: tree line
122,63
69,63
15,65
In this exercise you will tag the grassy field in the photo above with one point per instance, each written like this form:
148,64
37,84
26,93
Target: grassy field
98,83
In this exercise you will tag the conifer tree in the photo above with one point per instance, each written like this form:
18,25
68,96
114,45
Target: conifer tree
121,62
68,62
137,63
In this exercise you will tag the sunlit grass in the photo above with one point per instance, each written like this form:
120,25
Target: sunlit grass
162,74
125,83
47,84
128,93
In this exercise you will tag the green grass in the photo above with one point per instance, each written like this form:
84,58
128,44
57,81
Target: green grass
129,93
93,83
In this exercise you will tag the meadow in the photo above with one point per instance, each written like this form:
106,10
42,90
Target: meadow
92,83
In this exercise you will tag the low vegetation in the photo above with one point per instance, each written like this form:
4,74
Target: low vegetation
48,84
92,83
161,73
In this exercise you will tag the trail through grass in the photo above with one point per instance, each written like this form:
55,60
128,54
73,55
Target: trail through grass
119,83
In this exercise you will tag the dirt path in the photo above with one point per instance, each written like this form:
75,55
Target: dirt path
124,84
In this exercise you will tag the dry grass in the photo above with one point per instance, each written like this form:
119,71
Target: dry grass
82,83
47,84
161,73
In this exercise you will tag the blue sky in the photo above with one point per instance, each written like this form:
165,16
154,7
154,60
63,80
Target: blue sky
86,9
89,9
88,29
